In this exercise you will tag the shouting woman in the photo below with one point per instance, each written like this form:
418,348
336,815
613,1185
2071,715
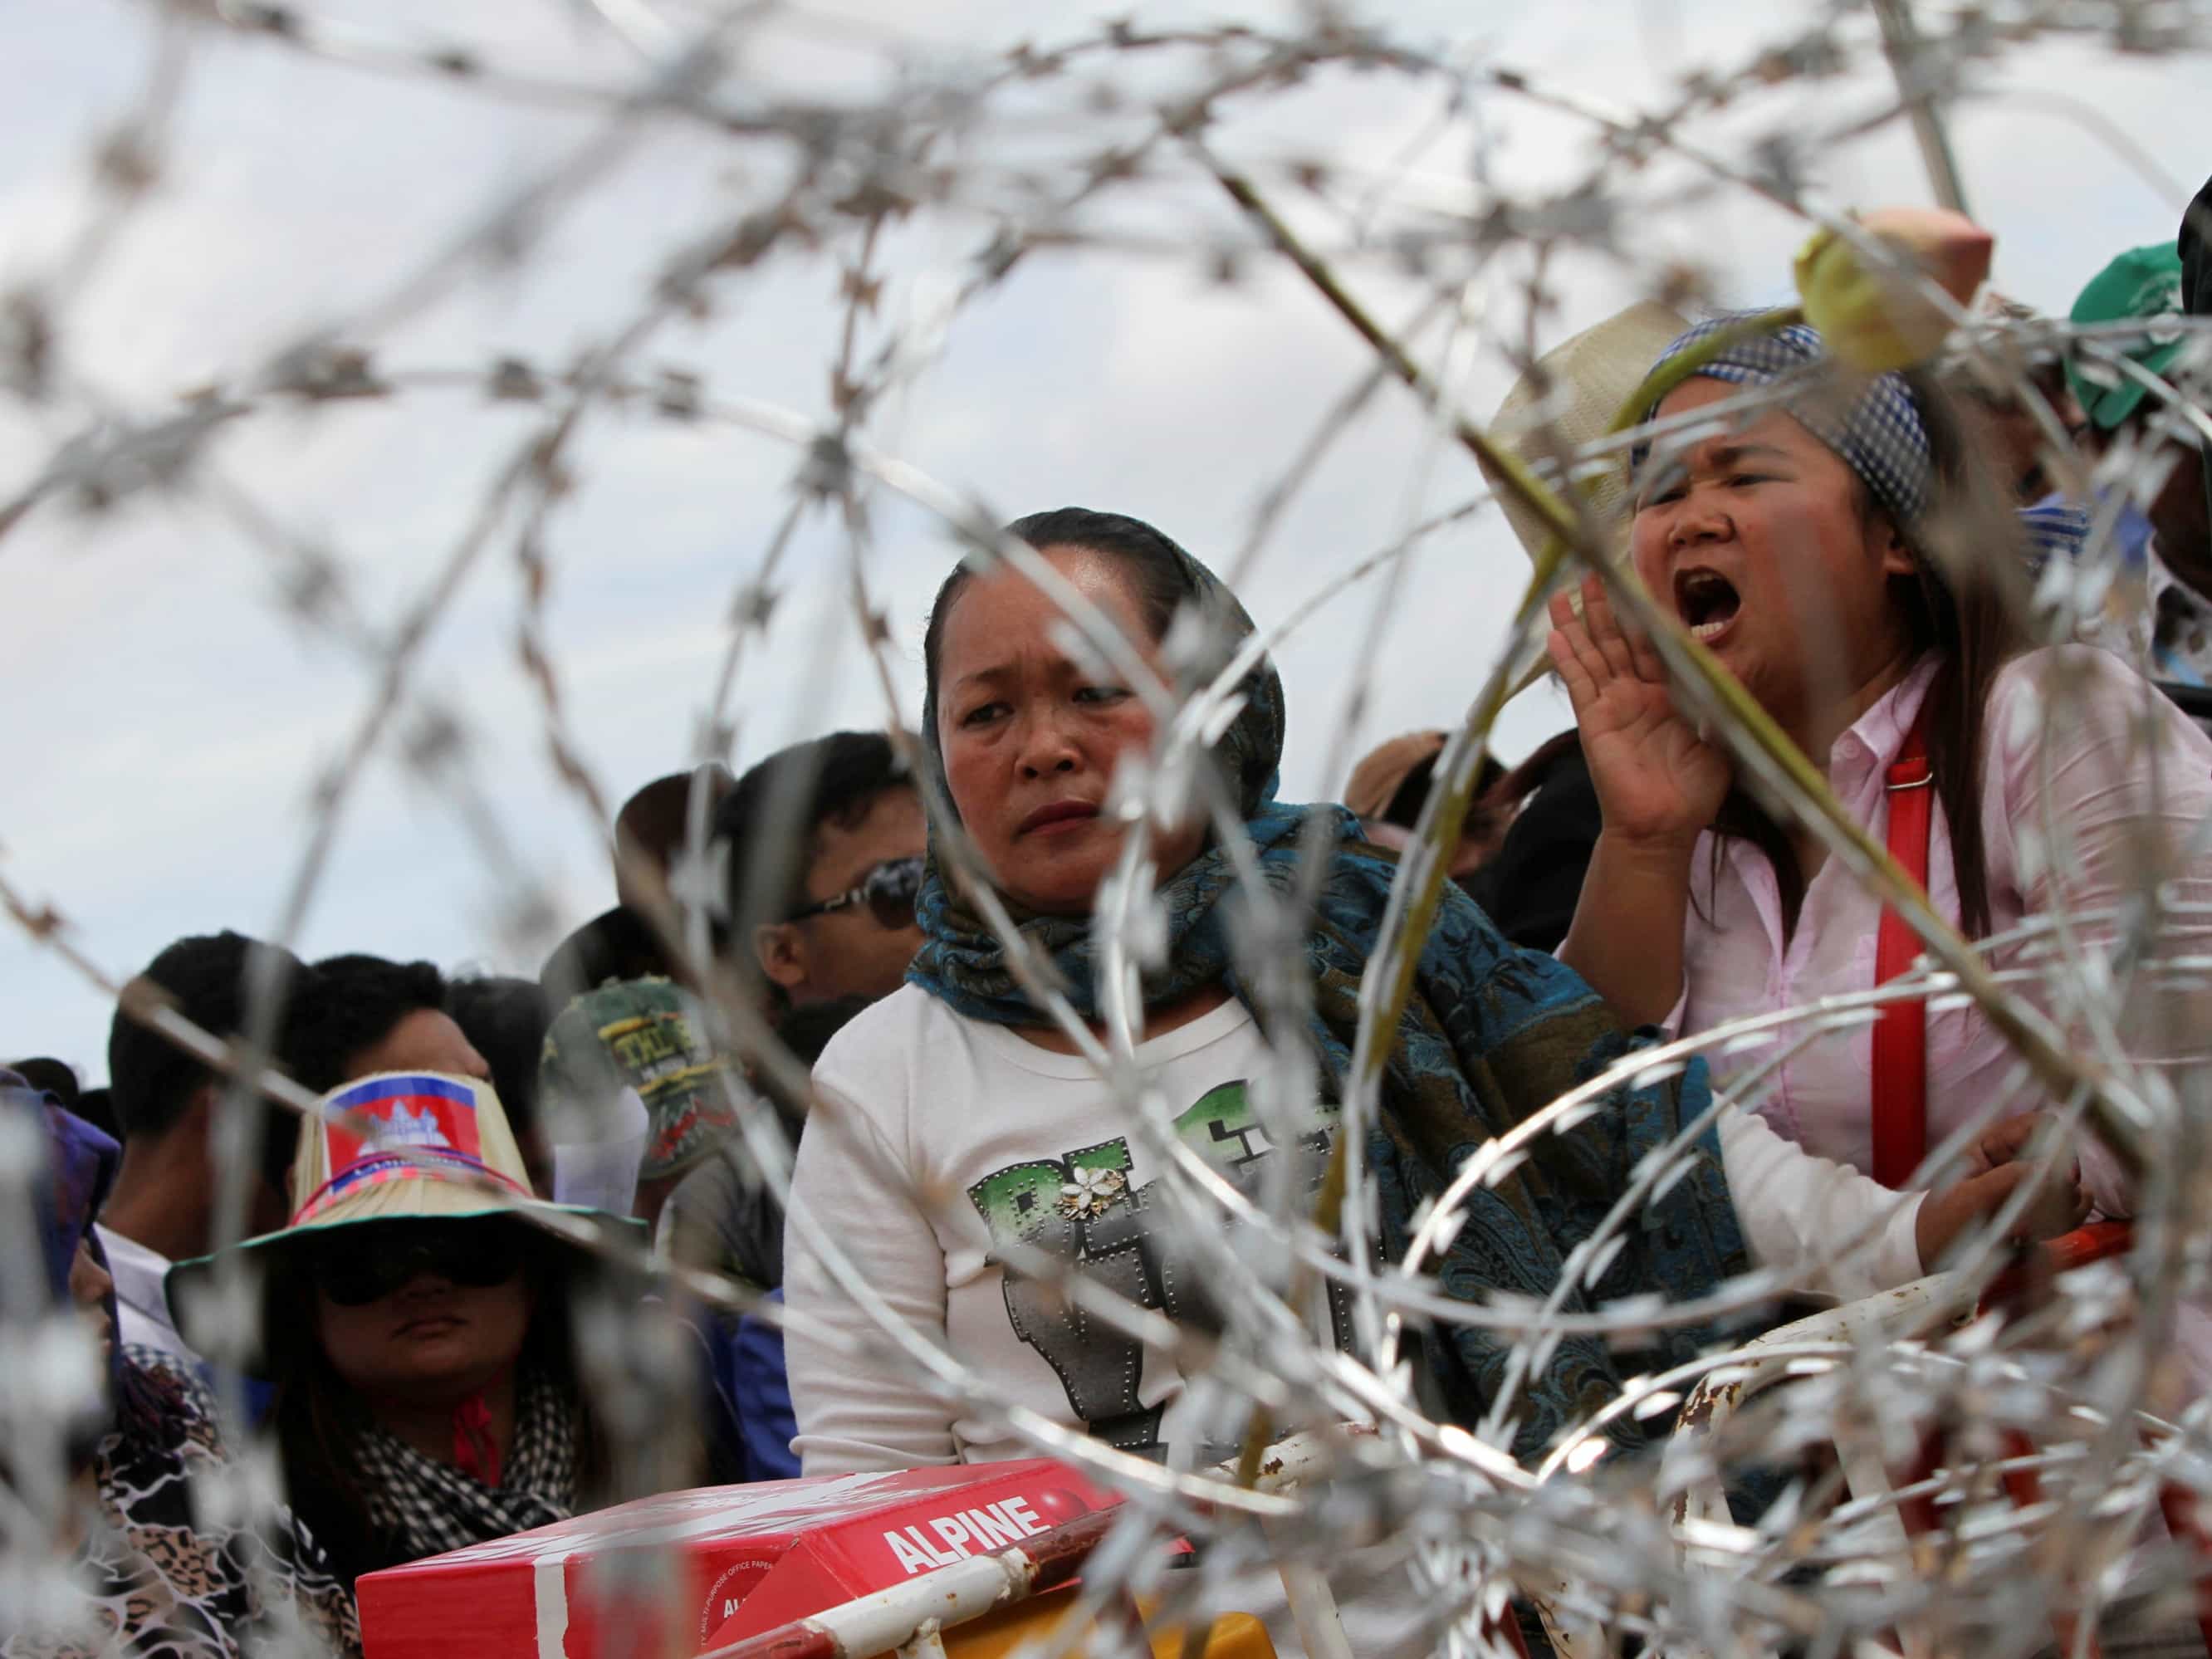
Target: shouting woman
1801,546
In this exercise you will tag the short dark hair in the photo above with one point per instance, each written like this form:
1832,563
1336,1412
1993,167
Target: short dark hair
97,1107
351,1003
151,1081
806,1029
778,809
618,944
1158,572
49,1076
505,1021
1404,807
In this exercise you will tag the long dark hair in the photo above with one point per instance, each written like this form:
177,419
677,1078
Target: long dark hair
316,1416
1964,545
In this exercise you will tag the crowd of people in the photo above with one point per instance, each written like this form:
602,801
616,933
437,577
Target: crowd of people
1855,556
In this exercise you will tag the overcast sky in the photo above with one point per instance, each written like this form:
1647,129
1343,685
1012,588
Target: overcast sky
167,716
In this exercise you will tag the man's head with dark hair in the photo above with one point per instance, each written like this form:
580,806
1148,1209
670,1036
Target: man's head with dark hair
50,1077
58,1078
209,978
807,830
505,1020
1412,795
164,1100
359,1015
1389,788
618,943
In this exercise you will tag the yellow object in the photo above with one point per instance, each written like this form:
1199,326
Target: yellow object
1877,319
995,1635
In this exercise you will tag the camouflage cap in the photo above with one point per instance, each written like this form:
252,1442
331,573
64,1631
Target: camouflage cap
649,1035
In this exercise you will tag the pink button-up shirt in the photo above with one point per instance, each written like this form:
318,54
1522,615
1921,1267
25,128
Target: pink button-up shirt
2069,726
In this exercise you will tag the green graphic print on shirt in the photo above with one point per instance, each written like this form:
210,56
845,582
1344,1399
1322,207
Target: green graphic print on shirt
1081,1205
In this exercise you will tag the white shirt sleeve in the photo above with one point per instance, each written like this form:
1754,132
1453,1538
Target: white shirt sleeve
2098,782
859,1408
1797,1209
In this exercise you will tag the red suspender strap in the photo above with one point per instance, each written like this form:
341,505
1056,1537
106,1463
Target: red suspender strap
1900,1035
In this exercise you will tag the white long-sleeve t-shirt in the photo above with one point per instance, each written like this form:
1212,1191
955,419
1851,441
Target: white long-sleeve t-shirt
940,1138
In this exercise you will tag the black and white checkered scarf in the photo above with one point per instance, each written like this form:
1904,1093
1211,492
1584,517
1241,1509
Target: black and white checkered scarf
431,1507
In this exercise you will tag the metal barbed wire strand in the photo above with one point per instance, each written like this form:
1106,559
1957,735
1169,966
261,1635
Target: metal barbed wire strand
713,1288
1117,977
1025,553
127,169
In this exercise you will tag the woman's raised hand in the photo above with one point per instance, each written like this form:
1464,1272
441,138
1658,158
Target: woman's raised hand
1657,781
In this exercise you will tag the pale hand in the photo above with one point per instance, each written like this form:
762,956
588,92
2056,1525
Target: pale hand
1656,780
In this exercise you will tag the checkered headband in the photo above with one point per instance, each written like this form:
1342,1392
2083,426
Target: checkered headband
1880,436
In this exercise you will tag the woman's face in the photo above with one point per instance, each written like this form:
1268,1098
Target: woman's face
1757,541
429,1342
1031,738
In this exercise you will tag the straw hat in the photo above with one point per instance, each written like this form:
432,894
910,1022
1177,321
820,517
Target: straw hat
1570,397
398,1146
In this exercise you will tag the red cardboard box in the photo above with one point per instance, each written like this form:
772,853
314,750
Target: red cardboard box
678,1573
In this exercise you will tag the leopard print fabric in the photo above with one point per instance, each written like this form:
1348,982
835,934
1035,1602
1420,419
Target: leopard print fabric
153,1580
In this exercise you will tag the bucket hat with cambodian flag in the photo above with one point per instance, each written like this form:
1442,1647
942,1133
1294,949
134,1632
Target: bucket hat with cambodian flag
400,1145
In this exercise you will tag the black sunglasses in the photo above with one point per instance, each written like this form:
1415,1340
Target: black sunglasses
889,890
361,1264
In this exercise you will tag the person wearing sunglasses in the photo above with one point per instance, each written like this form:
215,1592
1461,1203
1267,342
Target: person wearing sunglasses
823,843
888,890
826,842
416,1331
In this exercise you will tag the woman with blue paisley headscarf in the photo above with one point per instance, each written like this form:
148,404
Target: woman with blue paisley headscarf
957,1135
139,1564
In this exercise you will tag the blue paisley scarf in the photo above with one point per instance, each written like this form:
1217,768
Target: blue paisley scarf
1491,1033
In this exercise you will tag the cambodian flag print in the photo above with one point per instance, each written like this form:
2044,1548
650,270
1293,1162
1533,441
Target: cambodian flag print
418,1118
